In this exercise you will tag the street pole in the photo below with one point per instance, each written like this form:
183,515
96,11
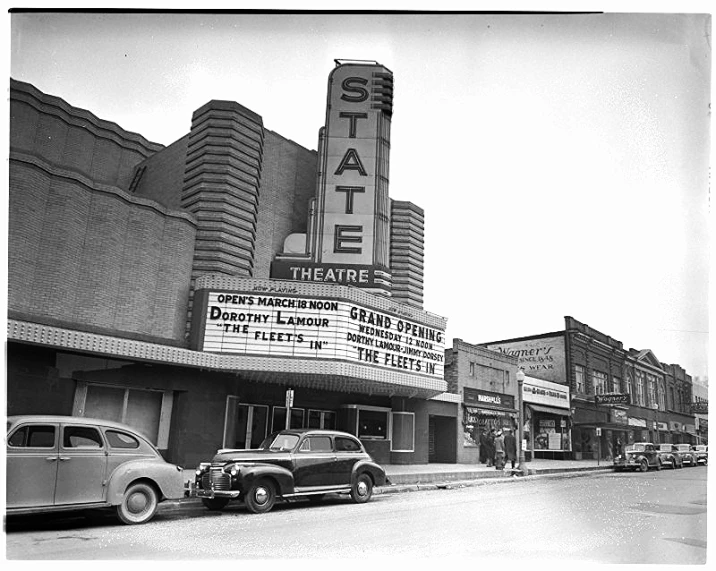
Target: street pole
522,466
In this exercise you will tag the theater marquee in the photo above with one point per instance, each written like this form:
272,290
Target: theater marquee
265,324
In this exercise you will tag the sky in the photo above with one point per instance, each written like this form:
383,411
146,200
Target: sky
562,160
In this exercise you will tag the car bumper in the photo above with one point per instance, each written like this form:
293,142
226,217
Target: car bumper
210,494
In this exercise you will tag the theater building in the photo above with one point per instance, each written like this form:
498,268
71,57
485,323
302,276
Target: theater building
616,396
224,286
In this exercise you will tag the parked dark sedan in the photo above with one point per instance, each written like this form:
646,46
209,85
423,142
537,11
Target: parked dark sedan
669,456
638,456
288,465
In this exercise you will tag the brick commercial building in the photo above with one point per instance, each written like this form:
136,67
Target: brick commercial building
615,396
187,289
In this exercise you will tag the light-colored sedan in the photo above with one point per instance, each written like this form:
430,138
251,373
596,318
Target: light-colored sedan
61,463
702,453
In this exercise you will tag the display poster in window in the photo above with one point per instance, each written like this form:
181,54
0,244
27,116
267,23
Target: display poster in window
555,441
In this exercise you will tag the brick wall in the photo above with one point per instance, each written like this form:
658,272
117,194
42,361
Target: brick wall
82,252
288,182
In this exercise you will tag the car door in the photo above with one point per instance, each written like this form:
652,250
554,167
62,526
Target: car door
314,462
348,452
32,461
82,466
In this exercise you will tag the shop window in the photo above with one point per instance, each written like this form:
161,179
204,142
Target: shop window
403,432
325,419
579,379
373,423
278,422
147,411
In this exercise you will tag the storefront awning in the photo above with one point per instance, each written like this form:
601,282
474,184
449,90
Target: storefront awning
548,409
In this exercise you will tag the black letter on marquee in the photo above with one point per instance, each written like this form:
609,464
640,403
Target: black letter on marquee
361,91
349,190
341,238
354,120
351,161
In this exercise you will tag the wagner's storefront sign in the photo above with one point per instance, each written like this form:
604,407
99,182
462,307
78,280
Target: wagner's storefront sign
265,324
611,399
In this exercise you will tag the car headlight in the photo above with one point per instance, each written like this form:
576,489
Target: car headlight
203,467
234,470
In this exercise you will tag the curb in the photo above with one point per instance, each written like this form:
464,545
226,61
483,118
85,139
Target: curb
482,479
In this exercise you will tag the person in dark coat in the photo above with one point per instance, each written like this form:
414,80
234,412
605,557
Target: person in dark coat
499,451
483,446
510,447
490,448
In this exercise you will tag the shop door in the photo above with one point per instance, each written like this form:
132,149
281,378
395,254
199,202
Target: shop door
246,425
138,408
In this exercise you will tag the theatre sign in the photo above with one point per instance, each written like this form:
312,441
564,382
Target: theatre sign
276,324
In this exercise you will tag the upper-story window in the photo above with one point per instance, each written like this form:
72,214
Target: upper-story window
599,382
616,385
628,384
640,389
579,379
661,395
651,385
472,368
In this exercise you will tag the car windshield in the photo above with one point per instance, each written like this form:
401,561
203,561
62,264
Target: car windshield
700,448
636,448
682,447
279,442
665,447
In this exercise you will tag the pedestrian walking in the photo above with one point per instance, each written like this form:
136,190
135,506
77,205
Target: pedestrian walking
490,448
510,447
499,451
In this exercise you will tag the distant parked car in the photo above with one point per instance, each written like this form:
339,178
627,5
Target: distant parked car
61,463
688,456
638,456
702,453
669,456
289,465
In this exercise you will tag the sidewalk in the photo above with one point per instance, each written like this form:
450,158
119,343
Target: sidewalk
426,476
414,477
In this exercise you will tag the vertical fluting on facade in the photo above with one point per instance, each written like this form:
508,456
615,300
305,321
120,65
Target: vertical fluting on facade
221,188
407,228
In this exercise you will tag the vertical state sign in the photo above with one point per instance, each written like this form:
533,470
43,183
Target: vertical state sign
353,201
302,327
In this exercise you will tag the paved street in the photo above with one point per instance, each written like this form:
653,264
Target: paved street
603,517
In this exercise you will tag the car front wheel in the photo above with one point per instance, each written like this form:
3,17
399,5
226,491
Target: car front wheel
215,504
644,466
261,496
139,503
362,489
